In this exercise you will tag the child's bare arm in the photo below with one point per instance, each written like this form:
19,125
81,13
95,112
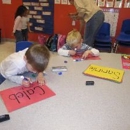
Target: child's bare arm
86,54
40,78
72,52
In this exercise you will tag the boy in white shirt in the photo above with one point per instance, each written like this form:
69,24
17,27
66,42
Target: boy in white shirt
34,59
75,46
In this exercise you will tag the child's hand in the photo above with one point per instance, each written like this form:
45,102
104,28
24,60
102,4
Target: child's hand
86,54
26,82
40,79
12,34
72,52
30,31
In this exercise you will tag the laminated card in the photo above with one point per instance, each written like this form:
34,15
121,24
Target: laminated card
105,73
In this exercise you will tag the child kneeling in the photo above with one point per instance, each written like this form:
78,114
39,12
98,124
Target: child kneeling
34,59
74,46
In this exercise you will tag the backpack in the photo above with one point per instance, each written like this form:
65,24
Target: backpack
61,41
42,39
51,42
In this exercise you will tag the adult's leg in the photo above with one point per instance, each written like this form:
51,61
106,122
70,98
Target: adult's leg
92,27
18,35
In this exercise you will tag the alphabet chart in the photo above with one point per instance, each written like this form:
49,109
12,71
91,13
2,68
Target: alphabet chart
18,97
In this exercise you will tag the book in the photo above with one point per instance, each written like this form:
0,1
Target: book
104,72
59,68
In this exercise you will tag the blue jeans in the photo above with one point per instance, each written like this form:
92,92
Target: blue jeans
18,35
25,34
92,27
2,79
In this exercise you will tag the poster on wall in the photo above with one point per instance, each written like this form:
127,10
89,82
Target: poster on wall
101,3
118,3
6,1
65,2
41,14
69,3
127,4
109,3
57,1
111,17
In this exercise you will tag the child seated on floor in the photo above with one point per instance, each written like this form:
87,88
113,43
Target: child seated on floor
74,46
34,59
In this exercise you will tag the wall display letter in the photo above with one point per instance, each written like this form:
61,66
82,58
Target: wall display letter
6,1
118,3
101,3
68,2
64,2
127,4
109,3
57,1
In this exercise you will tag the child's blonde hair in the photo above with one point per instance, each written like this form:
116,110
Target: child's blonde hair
73,37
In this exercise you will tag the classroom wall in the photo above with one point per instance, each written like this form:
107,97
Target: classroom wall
62,22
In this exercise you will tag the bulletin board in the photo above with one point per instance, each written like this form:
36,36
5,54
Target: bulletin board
41,14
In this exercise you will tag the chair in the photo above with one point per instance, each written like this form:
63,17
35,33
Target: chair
123,39
103,40
22,45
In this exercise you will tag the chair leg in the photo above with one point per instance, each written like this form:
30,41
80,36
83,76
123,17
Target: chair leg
115,47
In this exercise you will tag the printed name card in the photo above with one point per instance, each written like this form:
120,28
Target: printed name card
125,61
18,97
105,72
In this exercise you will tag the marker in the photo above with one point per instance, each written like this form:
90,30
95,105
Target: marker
65,61
75,49
4,117
60,73
78,60
24,78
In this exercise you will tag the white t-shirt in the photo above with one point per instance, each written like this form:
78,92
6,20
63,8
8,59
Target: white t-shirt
13,65
17,24
25,20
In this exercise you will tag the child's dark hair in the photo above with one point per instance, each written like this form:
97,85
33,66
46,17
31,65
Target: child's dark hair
38,57
20,11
